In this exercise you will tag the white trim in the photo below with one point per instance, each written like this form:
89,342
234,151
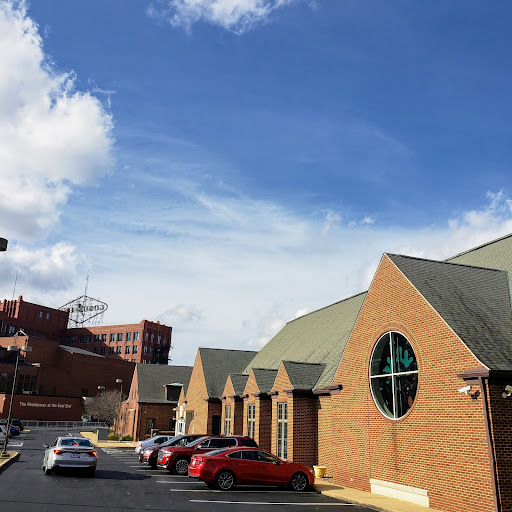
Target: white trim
400,492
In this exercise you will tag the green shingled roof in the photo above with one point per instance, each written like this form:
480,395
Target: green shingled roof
239,381
318,337
219,363
265,379
153,377
303,375
496,254
474,302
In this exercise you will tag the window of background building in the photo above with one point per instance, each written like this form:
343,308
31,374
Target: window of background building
128,336
147,336
12,329
227,420
127,349
81,339
104,338
96,338
111,350
159,339
112,338
119,336
118,350
152,338
145,351
151,351
135,349
393,375
150,424
282,430
102,351
95,350
135,336
40,314
251,415
73,339
88,338
47,316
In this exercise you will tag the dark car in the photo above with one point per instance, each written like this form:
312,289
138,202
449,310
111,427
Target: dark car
227,467
176,459
148,456
14,429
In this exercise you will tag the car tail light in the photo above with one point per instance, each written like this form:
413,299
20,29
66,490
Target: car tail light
57,452
93,453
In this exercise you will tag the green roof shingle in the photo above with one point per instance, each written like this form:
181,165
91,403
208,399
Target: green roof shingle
153,377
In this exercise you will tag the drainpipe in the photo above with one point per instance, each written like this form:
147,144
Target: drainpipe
492,458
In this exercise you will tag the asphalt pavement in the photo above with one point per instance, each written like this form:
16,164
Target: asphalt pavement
122,483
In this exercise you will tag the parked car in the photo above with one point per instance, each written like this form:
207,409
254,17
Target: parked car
3,433
176,459
158,439
70,452
18,423
227,467
148,456
15,430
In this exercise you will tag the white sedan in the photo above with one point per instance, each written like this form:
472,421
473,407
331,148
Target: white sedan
70,452
155,440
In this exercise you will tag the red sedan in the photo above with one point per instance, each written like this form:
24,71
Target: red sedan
227,467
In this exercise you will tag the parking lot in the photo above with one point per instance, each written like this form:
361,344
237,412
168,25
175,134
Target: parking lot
122,483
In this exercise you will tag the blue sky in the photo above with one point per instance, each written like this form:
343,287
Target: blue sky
227,165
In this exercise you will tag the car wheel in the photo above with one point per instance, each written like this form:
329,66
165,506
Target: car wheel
47,470
152,464
299,482
225,480
180,467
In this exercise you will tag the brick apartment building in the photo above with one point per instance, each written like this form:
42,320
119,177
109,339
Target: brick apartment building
145,342
399,390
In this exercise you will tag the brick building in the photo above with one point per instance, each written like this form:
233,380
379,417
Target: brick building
399,390
144,342
152,399
54,374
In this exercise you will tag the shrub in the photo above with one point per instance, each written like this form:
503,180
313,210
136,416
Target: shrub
127,438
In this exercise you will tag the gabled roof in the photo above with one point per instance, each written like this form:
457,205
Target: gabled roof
303,375
239,381
473,301
153,377
318,337
265,379
219,363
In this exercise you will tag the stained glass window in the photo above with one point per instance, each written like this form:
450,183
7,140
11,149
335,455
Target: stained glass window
393,375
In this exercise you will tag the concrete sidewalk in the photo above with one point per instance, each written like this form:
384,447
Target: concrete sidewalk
374,501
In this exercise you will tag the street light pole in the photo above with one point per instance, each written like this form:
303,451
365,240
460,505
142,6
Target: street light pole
13,348
119,381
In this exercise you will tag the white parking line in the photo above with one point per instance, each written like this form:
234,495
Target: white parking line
275,503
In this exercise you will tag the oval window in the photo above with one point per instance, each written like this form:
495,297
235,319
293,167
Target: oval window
393,375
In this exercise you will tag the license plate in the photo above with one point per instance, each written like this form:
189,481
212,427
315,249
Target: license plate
75,455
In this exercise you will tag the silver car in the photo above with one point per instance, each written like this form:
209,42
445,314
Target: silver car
70,452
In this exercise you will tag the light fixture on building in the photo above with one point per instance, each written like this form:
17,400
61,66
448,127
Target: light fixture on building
3,244
507,392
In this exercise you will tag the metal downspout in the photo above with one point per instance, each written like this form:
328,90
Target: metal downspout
490,445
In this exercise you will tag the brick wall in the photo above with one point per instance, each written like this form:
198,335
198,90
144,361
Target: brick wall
440,445
195,400
305,428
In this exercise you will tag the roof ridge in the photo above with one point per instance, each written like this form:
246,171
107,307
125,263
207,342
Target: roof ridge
480,246
444,262
227,349
328,306
302,362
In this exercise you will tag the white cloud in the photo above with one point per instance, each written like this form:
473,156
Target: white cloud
52,137
183,314
237,16
41,271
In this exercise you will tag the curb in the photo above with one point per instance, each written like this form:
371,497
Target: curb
7,463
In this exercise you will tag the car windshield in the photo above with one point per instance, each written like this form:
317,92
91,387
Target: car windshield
216,452
76,442
169,441
196,441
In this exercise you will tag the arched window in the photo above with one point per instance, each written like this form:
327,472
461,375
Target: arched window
393,375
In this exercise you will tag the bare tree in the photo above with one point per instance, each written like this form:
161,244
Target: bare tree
104,407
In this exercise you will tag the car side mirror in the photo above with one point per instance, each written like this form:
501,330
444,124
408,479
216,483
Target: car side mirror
45,446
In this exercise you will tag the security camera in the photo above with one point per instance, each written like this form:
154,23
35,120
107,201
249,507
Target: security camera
465,389
507,392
